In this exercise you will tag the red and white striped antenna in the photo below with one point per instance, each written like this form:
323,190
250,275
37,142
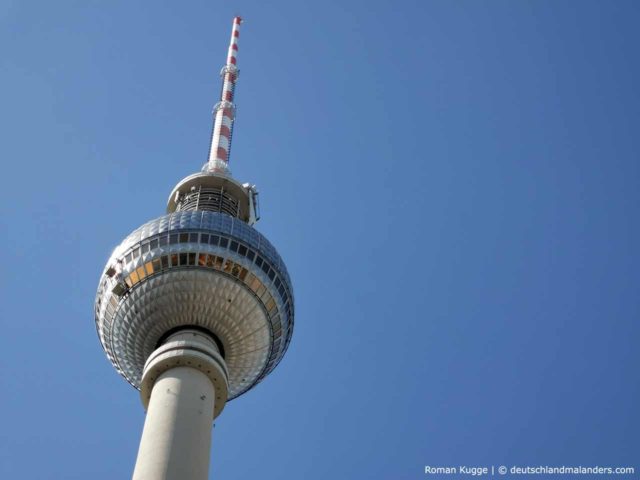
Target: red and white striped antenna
225,111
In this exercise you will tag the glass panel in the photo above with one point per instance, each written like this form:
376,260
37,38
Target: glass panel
192,259
234,246
173,238
193,237
136,252
156,264
243,273
228,266
251,255
141,273
184,238
255,283
127,259
202,259
154,243
174,260
242,250
210,260
148,268
259,261
271,274
134,277
224,242
145,247
165,261
128,281
163,240
204,238
266,297
270,304
183,259
214,239
218,263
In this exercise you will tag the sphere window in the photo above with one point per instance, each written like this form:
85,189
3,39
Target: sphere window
141,273
148,267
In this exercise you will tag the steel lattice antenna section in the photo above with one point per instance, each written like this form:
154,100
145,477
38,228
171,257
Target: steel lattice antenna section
195,307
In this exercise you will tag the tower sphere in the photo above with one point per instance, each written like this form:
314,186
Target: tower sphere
201,266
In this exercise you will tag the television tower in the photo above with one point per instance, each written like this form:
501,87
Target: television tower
195,307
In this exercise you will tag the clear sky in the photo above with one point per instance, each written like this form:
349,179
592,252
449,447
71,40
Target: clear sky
454,188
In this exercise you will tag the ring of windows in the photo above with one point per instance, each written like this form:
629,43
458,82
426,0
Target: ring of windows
215,240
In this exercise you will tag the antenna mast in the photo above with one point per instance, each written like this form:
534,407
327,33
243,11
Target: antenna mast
225,111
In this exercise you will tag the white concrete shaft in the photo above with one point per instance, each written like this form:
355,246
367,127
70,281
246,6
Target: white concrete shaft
184,386
176,439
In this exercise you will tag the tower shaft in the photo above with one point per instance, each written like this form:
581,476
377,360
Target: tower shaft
225,111
183,389
176,439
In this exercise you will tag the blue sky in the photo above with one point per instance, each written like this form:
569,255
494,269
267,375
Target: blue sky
454,188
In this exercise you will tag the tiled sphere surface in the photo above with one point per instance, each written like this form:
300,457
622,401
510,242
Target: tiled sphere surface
196,268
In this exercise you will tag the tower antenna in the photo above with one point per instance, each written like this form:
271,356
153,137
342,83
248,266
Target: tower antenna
224,111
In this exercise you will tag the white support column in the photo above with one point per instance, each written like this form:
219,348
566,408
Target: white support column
184,386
